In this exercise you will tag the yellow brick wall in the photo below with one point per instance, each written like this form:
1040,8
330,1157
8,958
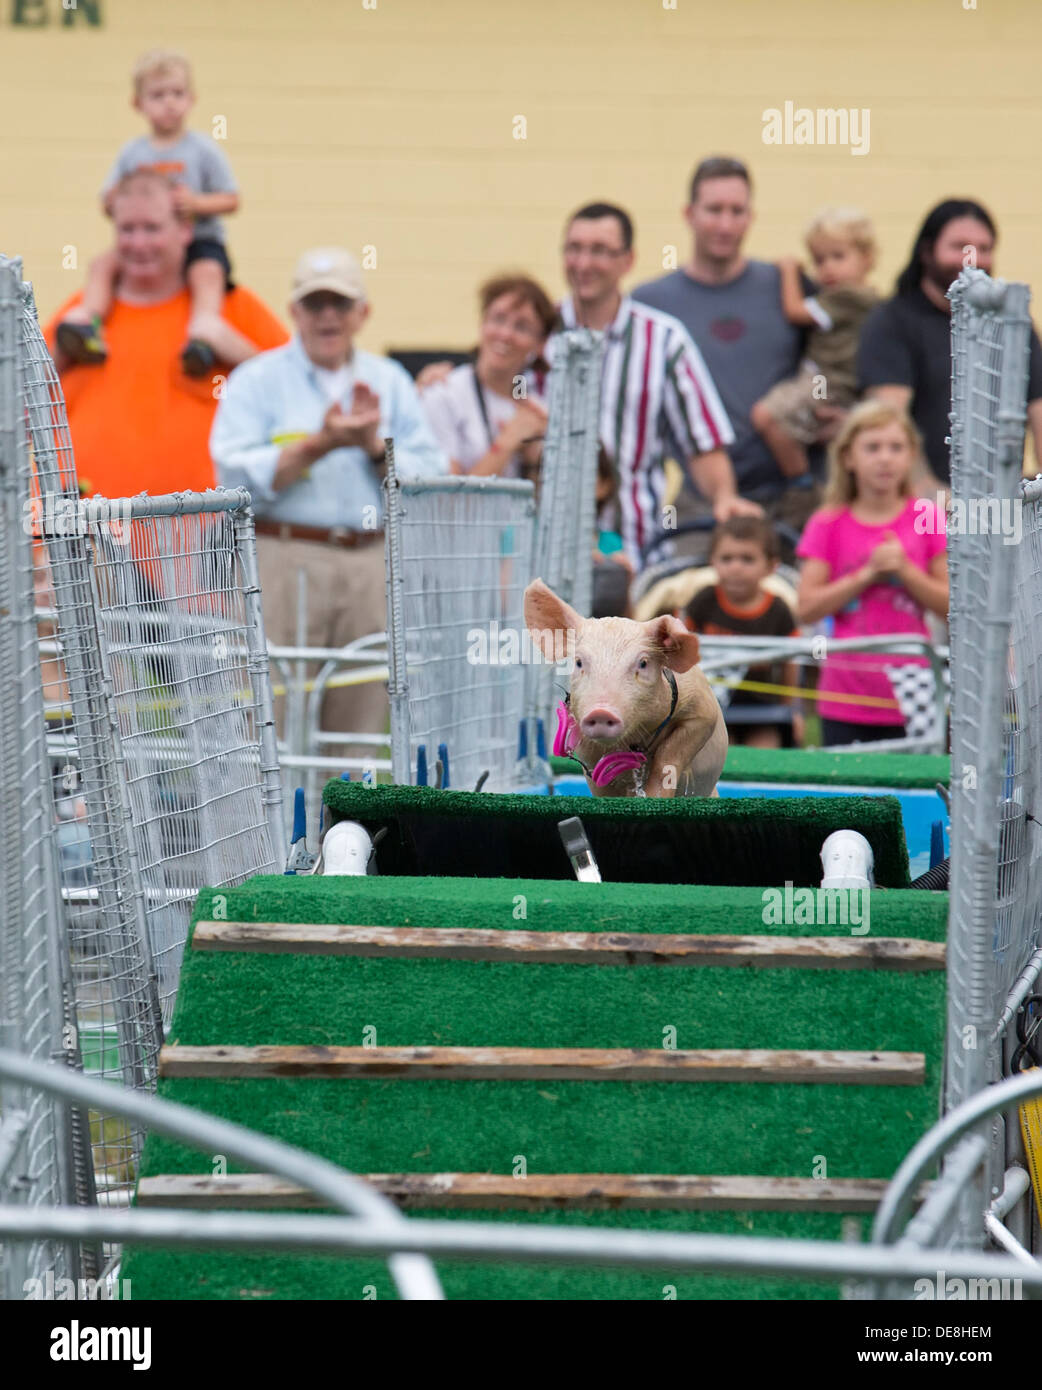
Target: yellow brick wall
390,124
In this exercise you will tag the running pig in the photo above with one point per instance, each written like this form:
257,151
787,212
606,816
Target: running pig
640,716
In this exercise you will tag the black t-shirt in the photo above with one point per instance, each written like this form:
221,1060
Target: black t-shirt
710,613
907,342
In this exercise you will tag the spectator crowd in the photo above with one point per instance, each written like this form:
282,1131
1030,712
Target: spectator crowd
807,412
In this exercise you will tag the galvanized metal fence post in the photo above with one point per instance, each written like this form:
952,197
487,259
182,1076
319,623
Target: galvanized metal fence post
565,539
567,495
260,680
398,682
990,332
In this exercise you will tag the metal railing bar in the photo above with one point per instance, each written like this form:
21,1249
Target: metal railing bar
415,1279
475,1240
899,1197
1008,1242
926,1225
1022,987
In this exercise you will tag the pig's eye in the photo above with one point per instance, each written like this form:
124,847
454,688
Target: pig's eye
578,663
642,664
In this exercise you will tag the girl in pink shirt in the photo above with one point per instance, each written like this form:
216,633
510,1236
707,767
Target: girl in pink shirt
874,556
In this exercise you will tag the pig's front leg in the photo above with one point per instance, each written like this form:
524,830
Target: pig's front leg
690,759
708,764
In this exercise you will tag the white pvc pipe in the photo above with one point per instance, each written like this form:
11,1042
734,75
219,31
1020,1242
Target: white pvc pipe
1017,1181
847,860
346,849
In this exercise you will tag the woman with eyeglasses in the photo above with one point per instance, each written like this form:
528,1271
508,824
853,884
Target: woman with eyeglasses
488,415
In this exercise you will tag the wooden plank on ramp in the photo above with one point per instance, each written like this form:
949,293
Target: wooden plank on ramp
536,1192
545,1064
574,948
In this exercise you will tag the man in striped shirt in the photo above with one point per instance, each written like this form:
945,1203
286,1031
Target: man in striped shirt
657,397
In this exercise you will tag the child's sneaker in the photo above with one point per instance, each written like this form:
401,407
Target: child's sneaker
198,358
83,343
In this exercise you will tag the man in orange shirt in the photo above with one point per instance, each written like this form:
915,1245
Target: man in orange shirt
138,423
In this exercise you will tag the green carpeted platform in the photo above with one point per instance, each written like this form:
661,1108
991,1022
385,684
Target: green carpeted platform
902,771
479,1126
754,840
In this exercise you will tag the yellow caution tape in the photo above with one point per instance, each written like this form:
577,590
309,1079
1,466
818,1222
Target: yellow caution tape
833,696
1031,1129
338,682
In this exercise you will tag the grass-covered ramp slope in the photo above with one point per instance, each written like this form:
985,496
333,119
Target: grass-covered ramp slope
428,1126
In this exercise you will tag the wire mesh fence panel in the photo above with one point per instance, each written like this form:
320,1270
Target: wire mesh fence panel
186,667
161,739
37,1138
459,555
990,713
117,1011
565,526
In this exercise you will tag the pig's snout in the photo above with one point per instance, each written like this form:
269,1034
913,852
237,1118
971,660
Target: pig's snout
601,722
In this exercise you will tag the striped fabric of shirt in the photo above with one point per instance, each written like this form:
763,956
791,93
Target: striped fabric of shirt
657,401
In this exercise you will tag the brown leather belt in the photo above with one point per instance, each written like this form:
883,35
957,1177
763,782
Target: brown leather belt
333,535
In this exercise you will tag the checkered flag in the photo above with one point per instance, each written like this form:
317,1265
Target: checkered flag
914,690
722,692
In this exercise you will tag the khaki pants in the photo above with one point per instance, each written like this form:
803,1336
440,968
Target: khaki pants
345,600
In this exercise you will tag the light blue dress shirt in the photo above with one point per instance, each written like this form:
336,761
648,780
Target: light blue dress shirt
275,398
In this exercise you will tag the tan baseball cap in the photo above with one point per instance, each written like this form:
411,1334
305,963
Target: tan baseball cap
328,268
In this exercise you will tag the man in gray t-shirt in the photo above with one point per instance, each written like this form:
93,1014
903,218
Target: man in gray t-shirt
732,308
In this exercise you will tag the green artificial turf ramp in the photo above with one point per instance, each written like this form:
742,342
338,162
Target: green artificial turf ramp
487,1126
705,840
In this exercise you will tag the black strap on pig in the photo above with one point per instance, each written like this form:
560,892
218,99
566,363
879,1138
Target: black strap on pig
674,696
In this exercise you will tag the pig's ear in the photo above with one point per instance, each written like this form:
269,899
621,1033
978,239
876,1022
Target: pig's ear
679,647
546,614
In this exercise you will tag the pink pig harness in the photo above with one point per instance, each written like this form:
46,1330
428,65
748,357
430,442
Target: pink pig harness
611,765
